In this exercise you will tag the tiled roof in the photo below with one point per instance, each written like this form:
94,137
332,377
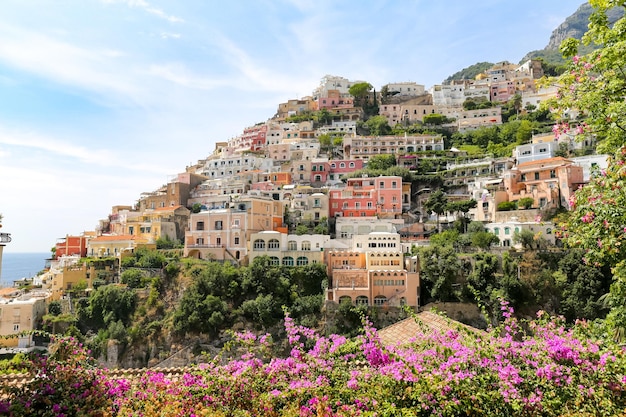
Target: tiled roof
406,330
554,160
112,238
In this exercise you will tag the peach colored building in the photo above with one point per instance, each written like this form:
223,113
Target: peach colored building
20,312
549,182
363,147
374,276
364,197
223,233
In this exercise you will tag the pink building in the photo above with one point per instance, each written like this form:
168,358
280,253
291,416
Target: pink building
334,101
319,171
502,91
252,139
365,197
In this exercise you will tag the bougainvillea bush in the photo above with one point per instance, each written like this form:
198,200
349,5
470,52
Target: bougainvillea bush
537,368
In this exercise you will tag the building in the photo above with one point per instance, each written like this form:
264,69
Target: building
106,246
20,312
71,245
372,273
367,197
363,147
549,182
288,250
222,234
506,231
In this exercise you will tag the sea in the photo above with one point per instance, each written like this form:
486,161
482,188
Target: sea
21,265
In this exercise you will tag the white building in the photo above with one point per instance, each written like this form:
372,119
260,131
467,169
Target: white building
505,231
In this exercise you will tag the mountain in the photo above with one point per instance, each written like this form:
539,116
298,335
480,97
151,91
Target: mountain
575,27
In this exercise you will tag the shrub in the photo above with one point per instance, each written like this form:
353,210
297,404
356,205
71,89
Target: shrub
507,206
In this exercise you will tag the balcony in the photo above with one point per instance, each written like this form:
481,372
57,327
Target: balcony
197,246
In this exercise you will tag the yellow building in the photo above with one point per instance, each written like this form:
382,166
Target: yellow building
20,312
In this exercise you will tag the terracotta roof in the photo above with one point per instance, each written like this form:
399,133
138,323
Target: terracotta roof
112,238
406,330
556,159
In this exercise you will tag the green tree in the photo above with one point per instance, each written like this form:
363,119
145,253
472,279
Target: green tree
360,92
582,287
324,117
110,303
484,240
54,308
378,126
434,119
525,202
132,277
595,83
381,162
437,203
440,268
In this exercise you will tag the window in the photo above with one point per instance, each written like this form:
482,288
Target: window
302,260
306,245
552,173
536,175
496,231
16,327
274,260
394,184
342,165
380,300
382,184
507,230
362,300
236,240
273,244
218,241
288,261
259,244
523,177
351,164
292,245
218,225
369,204
200,226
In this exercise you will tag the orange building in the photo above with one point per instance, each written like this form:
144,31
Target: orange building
71,245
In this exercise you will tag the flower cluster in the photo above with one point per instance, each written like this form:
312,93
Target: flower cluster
533,368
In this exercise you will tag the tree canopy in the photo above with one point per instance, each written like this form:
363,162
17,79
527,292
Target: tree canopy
594,86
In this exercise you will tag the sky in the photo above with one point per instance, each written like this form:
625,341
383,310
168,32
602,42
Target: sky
101,100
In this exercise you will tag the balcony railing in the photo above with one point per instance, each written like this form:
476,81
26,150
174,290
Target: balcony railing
205,246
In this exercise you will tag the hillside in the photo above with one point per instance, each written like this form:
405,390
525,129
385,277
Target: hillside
575,27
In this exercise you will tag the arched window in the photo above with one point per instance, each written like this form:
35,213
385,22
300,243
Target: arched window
288,261
362,300
273,244
302,260
345,299
274,260
292,245
306,245
259,244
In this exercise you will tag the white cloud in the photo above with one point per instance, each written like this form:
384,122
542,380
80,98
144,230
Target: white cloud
88,69
166,35
148,8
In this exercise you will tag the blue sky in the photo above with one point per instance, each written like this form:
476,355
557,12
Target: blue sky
101,100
